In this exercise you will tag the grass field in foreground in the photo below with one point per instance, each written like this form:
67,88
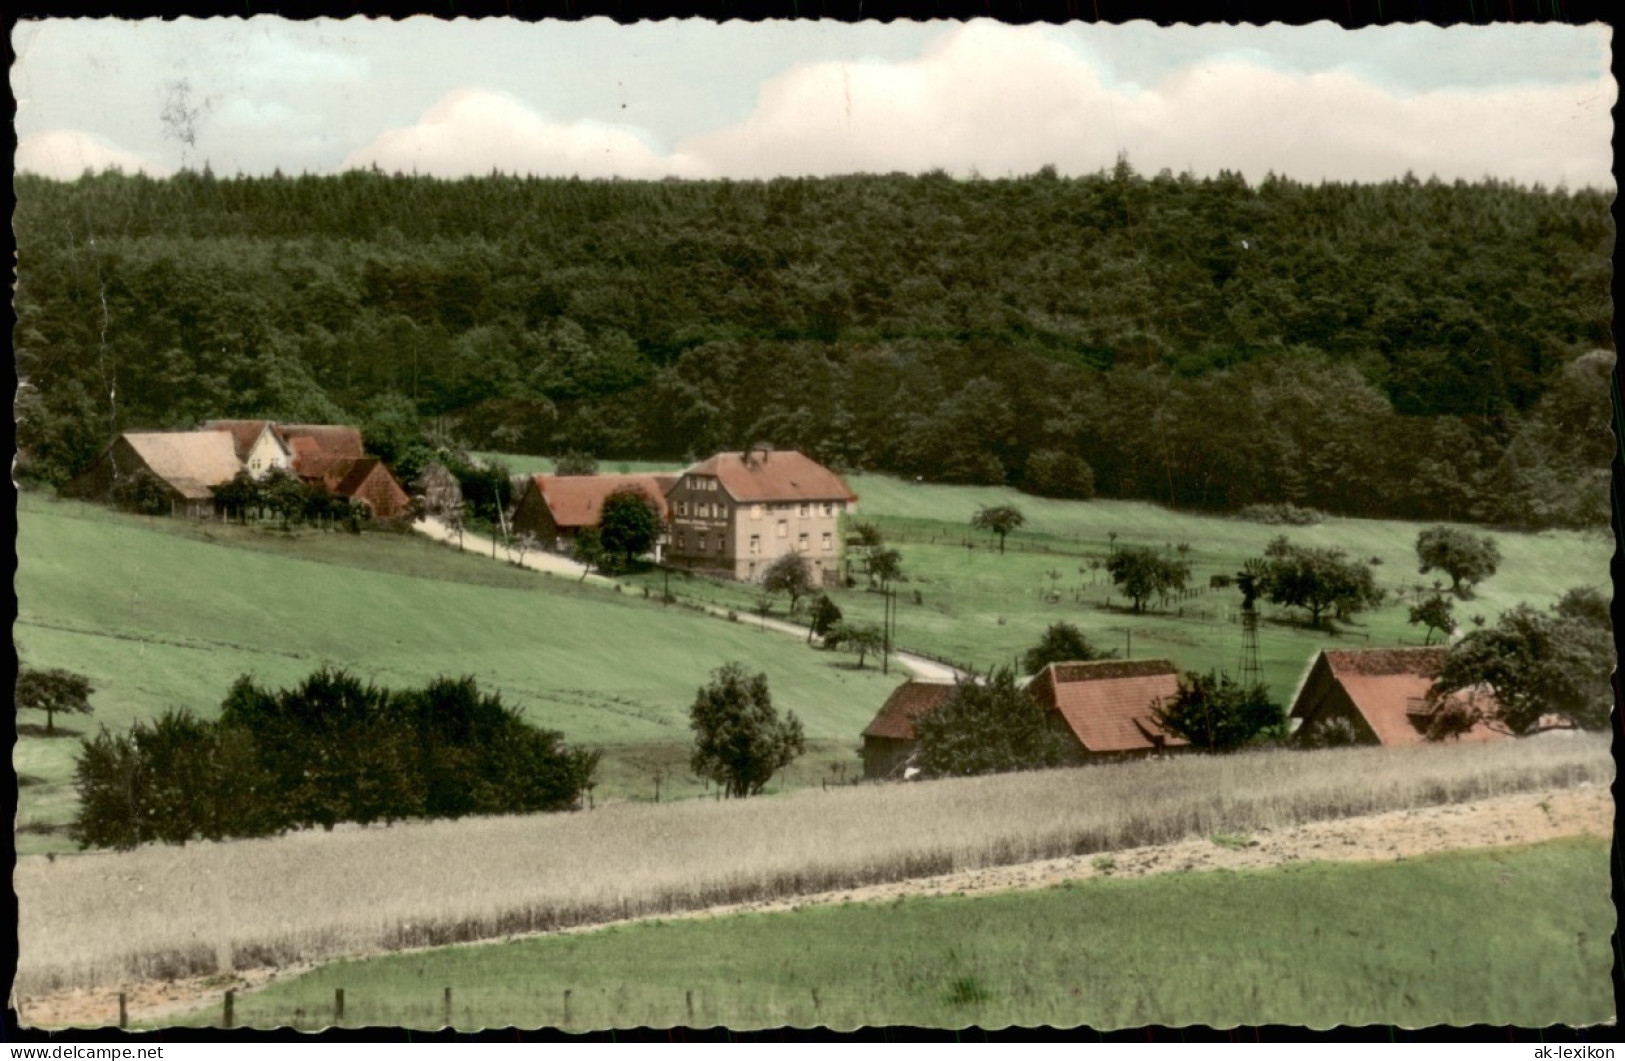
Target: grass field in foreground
969,604
161,912
166,613
1515,936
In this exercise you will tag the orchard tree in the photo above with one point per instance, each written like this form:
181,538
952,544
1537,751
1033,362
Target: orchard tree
886,565
1216,713
826,614
987,728
999,519
788,575
740,741
862,638
1585,605
1143,573
628,525
1061,643
53,691
1535,665
1436,613
1319,579
1467,558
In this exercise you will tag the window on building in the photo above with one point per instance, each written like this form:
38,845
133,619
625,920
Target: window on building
682,508
801,543
784,528
756,512
828,508
803,510
829,541
755,544
702,543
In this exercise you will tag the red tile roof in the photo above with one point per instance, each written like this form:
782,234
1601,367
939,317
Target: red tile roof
910,702
775,475
244,433
332,439
577,500
1389,688
1107,704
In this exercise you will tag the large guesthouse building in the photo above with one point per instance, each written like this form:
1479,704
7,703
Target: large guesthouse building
733,514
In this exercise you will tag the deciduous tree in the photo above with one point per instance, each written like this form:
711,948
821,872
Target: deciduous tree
1216,713
1143,573
54,691
740,741
862,638
989,727
1535,665
999,519
1467,558
1437,614
628,525
1061,643
826,614
1319,579
788,575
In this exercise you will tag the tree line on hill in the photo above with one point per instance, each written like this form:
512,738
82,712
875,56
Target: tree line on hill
331,749
1415,349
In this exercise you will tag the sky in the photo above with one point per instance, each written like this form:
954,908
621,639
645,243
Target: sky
1522,102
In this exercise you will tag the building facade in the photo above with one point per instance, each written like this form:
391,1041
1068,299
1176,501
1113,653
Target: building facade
733,514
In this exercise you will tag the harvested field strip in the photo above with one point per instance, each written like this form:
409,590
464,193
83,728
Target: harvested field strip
1315,944
167,912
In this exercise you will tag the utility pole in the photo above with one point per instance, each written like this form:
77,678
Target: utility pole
885,629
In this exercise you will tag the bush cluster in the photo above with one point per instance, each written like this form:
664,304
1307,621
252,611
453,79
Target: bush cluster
330,750
1282,514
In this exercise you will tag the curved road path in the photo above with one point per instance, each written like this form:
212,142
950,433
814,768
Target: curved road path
542,560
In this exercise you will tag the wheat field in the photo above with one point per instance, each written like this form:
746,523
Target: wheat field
165,912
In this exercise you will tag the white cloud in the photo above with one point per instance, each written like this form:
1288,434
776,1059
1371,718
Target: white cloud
472,131
1000,99
65,154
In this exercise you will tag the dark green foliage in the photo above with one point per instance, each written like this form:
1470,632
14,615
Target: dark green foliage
1216,713
788,575
487,486
990,727
1195,342
999,519
740,741
1319,579
587,549
1436,613
1467,558
390,428
1536,665
1061,643
885,566
330,750
141,492
573,463
1143,573
54,691
862,638
628,525
826,615
1282,513
1587,606
238,497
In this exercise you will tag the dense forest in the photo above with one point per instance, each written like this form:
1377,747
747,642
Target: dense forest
1415,348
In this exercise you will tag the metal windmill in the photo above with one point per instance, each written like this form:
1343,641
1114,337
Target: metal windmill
1247,580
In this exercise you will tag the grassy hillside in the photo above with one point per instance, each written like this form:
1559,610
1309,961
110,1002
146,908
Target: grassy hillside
1410,943
966,602
166,614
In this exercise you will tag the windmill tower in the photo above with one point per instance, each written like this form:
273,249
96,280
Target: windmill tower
1247,581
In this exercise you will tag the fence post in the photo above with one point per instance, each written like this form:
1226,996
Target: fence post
123,1013
566,1020
448,1007
228,1019
338,1005
688,1003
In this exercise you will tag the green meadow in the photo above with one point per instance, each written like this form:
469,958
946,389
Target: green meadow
964,601
1456,938
166,613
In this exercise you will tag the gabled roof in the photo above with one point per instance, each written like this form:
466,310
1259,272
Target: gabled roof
774,475
1388,687
244,433
1107,704
189,461
335,440
577,500
896,717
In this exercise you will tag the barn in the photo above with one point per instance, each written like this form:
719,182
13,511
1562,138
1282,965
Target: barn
187,465
1380,693
556,508
360,479
890,740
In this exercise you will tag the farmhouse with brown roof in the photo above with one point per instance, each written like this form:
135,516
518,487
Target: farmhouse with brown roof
364,480
187,464
1382,693
733,514
891,738
260,447
556,508
1106,705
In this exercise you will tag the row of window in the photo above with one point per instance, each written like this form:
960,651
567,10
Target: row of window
803,542
719,510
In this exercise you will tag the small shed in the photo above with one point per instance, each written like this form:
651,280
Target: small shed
891,739
361,479
1381,693
1106,705
440,490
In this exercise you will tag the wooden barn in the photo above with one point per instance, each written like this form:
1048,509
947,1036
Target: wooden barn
1106,705
1381,693
360,479
187,464
440,490
890,740
556,508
